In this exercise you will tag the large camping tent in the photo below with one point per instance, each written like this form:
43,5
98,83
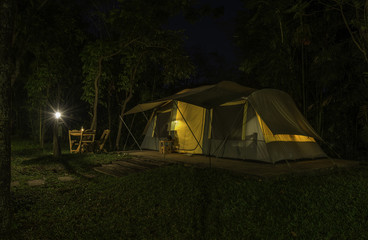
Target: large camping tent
231,121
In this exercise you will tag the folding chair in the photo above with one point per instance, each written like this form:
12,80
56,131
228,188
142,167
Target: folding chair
75,140
101,142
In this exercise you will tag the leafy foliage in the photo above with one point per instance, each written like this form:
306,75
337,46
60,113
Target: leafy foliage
135,44
285,46
46,42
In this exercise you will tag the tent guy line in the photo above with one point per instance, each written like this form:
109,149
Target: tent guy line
121,119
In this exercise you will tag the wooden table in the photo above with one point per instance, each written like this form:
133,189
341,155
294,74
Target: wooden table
79,140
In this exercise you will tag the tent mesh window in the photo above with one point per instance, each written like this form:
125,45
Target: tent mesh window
162,126
227,122
163,121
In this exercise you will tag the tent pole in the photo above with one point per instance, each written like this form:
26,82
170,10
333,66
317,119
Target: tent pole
177,107
126,140
130,133
210,138
143,113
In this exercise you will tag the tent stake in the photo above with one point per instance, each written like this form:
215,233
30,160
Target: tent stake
130,133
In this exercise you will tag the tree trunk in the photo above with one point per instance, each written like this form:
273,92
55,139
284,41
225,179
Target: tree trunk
97,82
303,74
16,71
109,118
117,142
320,112
95,102
6,21
43,131
56,142
129,96
56,137
40,126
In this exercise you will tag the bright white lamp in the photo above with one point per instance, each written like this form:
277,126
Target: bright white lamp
57,115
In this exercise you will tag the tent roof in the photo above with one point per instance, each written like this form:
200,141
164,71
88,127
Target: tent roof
144,107
278,110
207,96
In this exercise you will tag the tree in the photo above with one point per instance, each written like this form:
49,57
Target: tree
52,63
354,15
6,28
306,49
135,40
93,57
277,36
166,53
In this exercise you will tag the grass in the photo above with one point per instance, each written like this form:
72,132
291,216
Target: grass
177,202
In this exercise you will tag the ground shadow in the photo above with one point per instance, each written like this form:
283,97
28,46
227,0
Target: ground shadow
72,163
26,152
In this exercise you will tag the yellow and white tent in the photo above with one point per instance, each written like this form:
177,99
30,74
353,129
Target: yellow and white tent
232,121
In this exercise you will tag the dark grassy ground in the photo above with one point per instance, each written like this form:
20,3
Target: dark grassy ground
177,202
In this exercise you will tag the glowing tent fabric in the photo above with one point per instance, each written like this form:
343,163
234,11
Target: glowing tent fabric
232,121
193,117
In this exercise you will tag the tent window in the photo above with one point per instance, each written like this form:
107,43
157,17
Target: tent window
270,137
227,122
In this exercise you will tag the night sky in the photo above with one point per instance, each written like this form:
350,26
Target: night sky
212,34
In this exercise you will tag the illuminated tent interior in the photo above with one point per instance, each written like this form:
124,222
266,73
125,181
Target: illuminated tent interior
231,121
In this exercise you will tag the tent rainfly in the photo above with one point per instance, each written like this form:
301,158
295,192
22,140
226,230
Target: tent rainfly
232,121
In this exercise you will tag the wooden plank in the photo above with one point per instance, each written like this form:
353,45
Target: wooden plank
108,171
125,167
129,165
146,163
115,170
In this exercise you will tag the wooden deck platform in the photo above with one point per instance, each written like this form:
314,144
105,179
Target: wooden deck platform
248,167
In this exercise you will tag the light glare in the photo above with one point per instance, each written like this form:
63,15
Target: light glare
57,115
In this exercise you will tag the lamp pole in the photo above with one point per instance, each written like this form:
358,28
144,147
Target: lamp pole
56,140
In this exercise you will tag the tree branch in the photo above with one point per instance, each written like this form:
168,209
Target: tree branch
42,4
352,35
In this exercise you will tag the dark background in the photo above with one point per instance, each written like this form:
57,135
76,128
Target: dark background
305,48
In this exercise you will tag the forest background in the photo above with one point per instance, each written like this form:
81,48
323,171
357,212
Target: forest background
93,60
